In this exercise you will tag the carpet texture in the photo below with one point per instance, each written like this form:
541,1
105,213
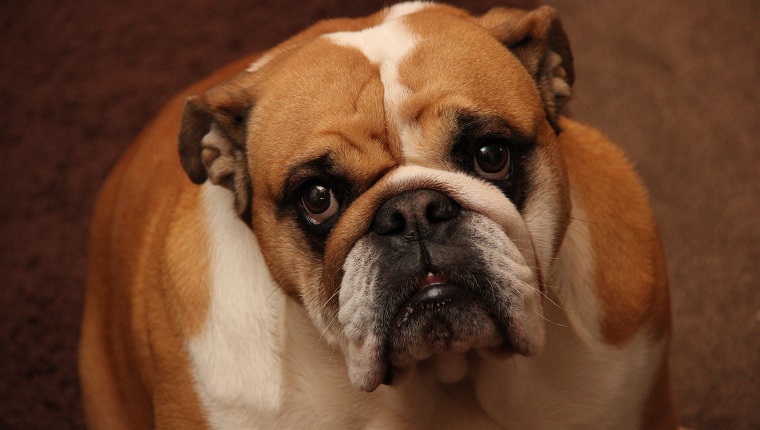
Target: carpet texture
675,83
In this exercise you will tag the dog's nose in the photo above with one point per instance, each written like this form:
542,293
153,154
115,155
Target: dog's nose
414,214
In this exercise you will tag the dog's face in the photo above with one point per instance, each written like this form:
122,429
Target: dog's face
402,177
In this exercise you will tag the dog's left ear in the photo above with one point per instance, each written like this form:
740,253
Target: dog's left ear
537,39
212,140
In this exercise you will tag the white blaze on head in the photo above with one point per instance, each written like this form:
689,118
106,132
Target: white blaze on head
387,45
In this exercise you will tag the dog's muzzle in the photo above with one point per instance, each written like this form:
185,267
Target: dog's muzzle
430,277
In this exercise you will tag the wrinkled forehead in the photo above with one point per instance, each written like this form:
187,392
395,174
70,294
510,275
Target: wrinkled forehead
434,57
384,87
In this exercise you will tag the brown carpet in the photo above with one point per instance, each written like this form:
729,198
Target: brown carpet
676,83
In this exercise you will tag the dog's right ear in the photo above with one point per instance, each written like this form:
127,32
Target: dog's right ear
537,39
212,140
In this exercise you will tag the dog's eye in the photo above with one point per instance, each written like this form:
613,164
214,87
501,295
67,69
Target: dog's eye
320,203
492,161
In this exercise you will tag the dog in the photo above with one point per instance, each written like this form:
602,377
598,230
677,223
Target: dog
388,224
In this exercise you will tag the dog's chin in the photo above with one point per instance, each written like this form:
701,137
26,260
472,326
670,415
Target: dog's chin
441,317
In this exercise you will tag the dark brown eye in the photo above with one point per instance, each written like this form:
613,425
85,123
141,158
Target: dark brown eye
319,202
492,161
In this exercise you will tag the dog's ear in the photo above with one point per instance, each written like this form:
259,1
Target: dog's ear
537,39
212,140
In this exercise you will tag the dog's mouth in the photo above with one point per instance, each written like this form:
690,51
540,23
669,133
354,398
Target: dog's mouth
435,291
445,315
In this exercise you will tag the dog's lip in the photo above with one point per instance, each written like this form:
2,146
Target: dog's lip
432,279
435,288
431,288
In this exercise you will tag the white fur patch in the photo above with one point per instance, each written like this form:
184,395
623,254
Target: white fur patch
573,279
235,361
387,45
261,62
570,384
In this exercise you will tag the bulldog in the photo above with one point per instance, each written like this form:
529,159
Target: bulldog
388,224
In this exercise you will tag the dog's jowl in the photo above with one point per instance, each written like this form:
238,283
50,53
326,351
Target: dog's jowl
381,223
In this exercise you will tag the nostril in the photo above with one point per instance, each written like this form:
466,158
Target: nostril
397,224
440,210
389,222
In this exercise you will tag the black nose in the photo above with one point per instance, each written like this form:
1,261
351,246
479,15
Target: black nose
414,214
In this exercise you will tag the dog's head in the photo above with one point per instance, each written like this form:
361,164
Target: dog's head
402,175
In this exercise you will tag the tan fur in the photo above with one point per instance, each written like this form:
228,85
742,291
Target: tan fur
515,97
